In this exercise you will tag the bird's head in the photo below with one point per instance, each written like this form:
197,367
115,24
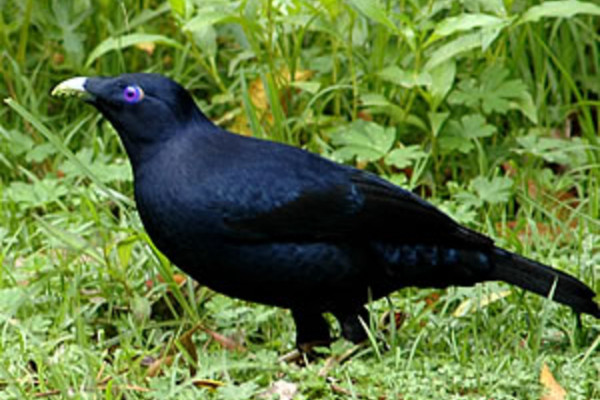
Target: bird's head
145,109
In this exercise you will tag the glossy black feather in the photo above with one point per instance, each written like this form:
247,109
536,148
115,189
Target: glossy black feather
275,224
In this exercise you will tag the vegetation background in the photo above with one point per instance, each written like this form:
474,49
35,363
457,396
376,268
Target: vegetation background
489,109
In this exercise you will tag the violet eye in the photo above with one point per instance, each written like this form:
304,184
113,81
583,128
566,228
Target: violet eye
133,94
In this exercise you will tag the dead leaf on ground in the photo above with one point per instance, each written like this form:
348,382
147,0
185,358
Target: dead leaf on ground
258,95
146,47
552,389
190,347
209,384
168,355
282,390
341,390
341,358
157,366
226,342
479,303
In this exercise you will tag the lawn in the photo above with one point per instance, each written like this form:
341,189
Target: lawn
488,109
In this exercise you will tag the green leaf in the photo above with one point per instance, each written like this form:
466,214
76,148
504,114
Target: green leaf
206,40
442,79
36,194
243,391
11,299
19,142
437,120
104,170
60,146
452,49
405,156
569,152
140,308
467,22
311,87
40,152
121,42
497,190
375,11
363,140
490,6
494,93
374,99
459,135
474,126
452,140
207,17
559,9
178,6
407,79
524,103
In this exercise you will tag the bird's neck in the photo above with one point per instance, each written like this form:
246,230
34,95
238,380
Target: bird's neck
187,138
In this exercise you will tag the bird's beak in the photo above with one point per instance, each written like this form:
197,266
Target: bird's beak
74,87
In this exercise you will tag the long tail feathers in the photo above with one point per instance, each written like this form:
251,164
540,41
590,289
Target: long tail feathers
538,278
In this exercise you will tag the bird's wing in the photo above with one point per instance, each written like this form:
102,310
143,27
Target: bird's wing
362,206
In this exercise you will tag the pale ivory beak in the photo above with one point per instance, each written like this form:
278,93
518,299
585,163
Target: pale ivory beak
71,87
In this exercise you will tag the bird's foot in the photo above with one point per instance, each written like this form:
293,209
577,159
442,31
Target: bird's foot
305,352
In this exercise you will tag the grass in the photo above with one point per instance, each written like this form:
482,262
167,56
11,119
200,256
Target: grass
488,109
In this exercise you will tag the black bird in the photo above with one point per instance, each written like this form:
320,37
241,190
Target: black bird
274,224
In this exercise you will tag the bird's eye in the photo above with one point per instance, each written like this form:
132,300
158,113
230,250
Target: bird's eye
133,94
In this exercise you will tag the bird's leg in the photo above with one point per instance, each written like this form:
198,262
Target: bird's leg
352,328
311,329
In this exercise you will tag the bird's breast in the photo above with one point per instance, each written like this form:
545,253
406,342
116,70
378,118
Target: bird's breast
176,215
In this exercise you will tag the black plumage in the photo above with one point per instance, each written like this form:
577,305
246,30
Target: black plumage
270,223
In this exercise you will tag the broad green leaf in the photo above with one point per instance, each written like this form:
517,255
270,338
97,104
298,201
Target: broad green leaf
569,152
121,42
143,18
397,179
104,170
125,249
36,194
41,152
407,79
363,140
437,120
375,11
452,49
474,126
524,103
494,191
442,79
311,87
493,94
488,36
19,142
405,156
466,22
178,6
59,144
207,17
559,9
491,6
11,299
140,308
461,212
458,135
206,40
374,99
452,140
243,391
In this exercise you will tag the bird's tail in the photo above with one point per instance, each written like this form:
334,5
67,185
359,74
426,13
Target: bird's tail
539,278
